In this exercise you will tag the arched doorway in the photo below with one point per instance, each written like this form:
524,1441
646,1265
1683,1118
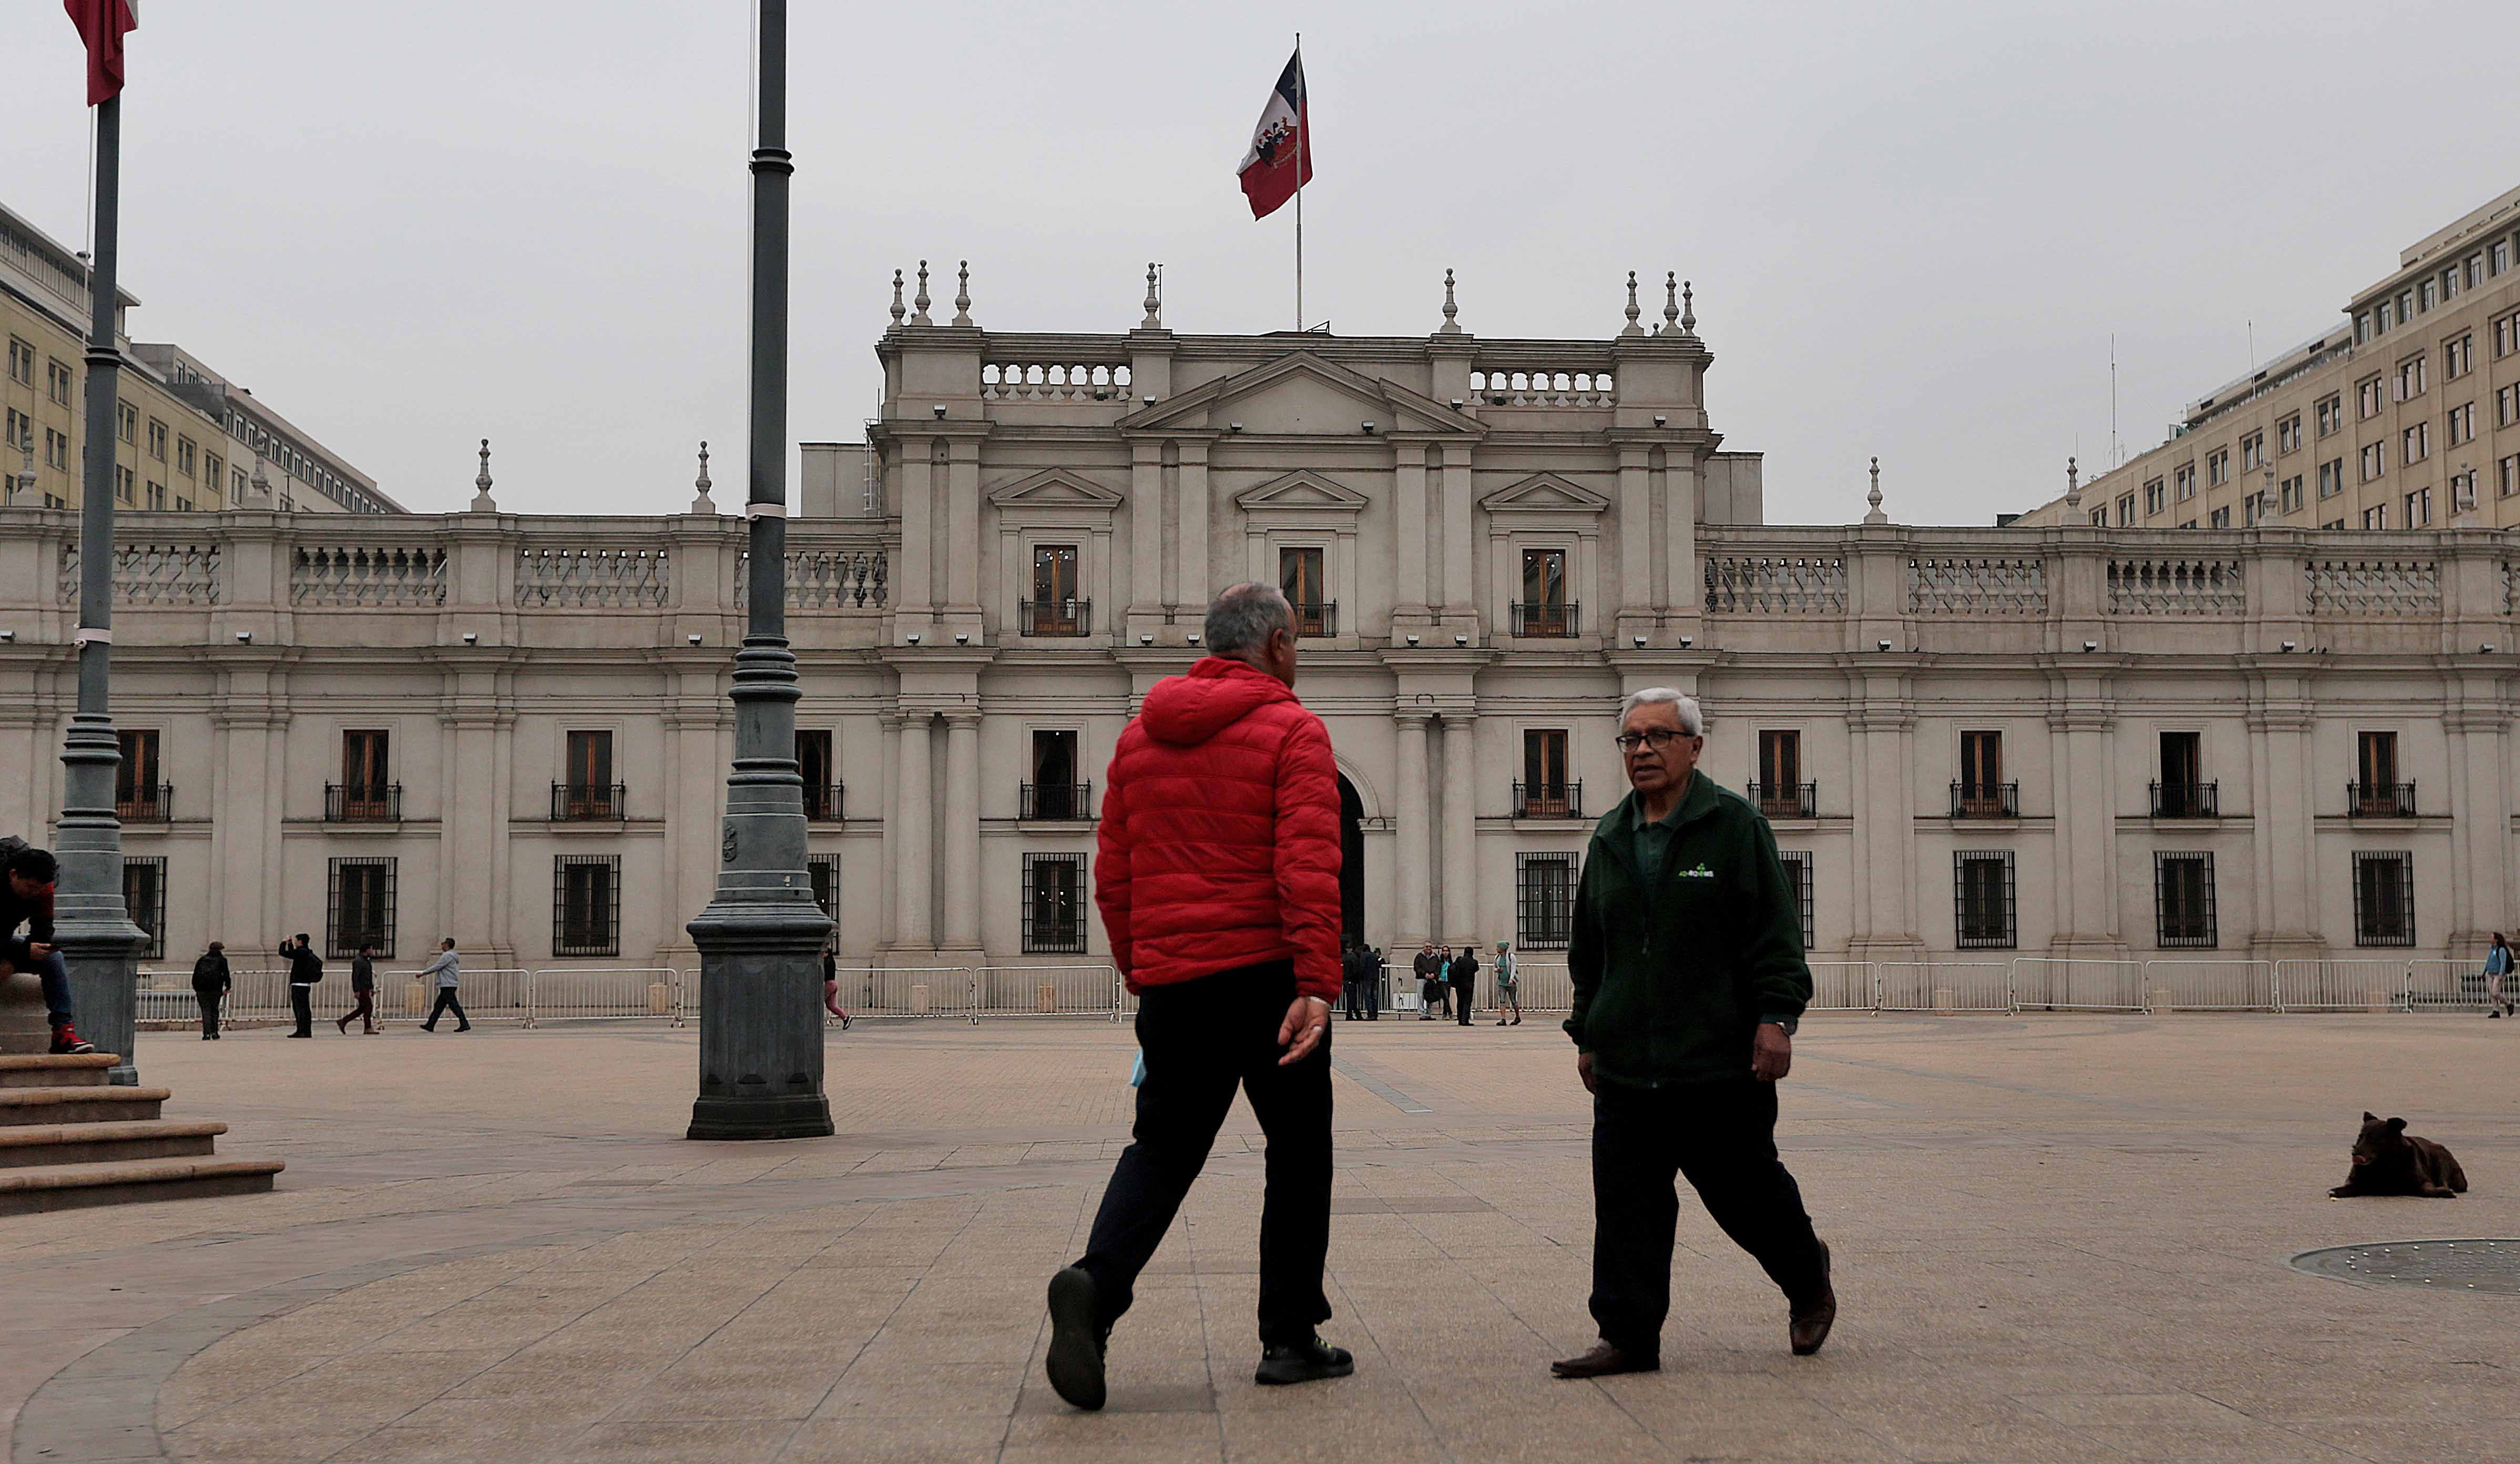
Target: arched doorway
1351,861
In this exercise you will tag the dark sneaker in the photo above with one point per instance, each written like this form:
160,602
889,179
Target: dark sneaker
1604,1361
1808,1324
1076,1340
67,1043
1306,1361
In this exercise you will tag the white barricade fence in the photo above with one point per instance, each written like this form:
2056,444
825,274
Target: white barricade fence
2075,984
1942,985
888,991
2436,984
1843,987
1071,990
1539,986
2176,983
2344,984
625,994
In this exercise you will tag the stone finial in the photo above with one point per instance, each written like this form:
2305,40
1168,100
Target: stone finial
1687,309
702,503
1670,304
2073,485
1452,326
898,309
1876,516
1633,329
963,297
481,501
1154,320
920,300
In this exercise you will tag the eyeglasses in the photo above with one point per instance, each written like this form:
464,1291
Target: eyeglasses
1657,738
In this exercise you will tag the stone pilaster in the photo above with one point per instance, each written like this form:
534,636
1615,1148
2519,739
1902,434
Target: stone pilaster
963,833
1461,834
1415,828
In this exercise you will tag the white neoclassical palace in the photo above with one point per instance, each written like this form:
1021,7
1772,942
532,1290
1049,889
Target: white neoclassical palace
513,729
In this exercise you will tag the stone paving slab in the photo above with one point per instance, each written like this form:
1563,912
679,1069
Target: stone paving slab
2058,1238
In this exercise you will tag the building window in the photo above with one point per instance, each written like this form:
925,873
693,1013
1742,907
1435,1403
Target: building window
2289,495
1545,792
144,894
1981,792
2506,335
2184,475
1544,610
2459,425
2182,792
2384,897
1544,900
2220,518
2414,444
2420,509
128,423
2376,516
1299,577
2100,516
158,496
122,482
814,764
2156,498
157,439
359,908
587,790
56,382
2424,295
2334,524
2369,398
1982,899
823,872
57,449
2288,433
586,905
22,362
1055,608
2507,405
2375,766
2375,460
2507,477
2218,466
1055,792
1798,869
2253,450
2497,259
2126,509
187,456
2183,900
2459,357
2332,414
1780,791
2332,478
2411,378
137,796
1054,908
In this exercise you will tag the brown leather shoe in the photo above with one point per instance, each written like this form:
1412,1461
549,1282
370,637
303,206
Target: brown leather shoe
1808,1325
1604,1360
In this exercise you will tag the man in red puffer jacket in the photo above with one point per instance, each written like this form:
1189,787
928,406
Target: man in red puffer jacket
1220,889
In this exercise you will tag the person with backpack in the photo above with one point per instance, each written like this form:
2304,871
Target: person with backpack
363,990
27,898
1508,984
212,983
305,969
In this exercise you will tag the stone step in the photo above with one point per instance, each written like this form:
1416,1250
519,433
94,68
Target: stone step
46,1187
28,1145
32,1070
78,1105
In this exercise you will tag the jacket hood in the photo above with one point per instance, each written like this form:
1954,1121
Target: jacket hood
1188,709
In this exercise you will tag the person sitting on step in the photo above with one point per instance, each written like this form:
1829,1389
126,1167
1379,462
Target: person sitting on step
27,898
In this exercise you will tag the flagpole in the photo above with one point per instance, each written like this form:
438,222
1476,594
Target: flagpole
1303,145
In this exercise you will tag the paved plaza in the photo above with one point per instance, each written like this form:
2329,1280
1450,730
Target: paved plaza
2058,1238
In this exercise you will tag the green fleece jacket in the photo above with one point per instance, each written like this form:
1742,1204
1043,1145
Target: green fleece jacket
1671,980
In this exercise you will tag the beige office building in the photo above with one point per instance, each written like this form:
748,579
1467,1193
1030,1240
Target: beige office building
2406,415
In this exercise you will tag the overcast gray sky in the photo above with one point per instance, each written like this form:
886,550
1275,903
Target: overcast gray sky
1913,228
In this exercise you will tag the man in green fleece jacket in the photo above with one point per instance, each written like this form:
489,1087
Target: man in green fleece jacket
1688,979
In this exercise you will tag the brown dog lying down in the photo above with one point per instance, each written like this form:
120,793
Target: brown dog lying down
2389,1161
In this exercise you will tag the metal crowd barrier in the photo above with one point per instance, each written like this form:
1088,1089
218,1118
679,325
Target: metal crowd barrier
2350,984
628,993
1078,990
2076,984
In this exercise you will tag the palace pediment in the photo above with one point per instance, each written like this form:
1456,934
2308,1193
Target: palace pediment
1053,488
1302,490
1301,395
1545,494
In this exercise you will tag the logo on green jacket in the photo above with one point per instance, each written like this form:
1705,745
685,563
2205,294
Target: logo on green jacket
1701,872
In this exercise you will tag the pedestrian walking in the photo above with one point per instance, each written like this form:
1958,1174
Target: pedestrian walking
27,898
832,984
2498,977
449,972
1464,976
212,982
1372,965
363,990
1219,855
1429,967
1509,986
1686,964
305,969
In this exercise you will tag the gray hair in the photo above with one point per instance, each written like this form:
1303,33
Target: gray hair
1691,720
1242,616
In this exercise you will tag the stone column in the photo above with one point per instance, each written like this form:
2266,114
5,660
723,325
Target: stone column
2284,812
1461,582
2085,823
1881,766
1195,547
888,895
1414,843
2480,809
911,852
1409,532
962,831
1461,831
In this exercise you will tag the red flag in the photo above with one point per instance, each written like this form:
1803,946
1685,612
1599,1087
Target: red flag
102,23
1281,159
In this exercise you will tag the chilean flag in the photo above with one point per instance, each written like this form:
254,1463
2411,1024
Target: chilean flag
102,23
1281,159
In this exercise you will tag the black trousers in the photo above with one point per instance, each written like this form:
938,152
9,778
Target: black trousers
1203,1039
1721,1136
302,1001
365,1012
210,1002
1352,997
446,1003
1462,1001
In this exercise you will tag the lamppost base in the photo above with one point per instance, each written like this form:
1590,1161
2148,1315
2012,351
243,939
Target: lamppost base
769,1116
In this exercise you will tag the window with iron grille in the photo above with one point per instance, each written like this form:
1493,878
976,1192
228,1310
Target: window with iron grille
586,905
2384,897
1982,899
144,894
1798,868
1544,900
2183,900
824,874
359,907
1054,908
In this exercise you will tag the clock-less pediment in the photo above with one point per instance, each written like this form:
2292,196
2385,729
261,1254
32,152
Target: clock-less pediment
1053,488
1545,494
1301,490
1302,395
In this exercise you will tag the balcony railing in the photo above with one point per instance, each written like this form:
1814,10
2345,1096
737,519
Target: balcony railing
823,802
1317,620
362,803
2380,799
1055,616
1549,800
150,802
1545,622
1986,800
589,803
1057,802
2187,800
1786,800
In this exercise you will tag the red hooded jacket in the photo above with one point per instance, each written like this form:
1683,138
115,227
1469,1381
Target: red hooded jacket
1220,834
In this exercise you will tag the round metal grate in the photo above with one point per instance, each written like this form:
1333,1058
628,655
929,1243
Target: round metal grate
2485,1266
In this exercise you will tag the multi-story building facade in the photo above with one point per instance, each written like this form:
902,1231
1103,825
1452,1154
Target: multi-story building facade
1973,743
188,443
2406,415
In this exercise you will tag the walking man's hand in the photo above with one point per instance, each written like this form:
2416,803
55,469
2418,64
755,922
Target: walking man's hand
1584,1071
1772,1053
1306,1020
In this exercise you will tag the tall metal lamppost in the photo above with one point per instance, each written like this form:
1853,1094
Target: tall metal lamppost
762,1012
